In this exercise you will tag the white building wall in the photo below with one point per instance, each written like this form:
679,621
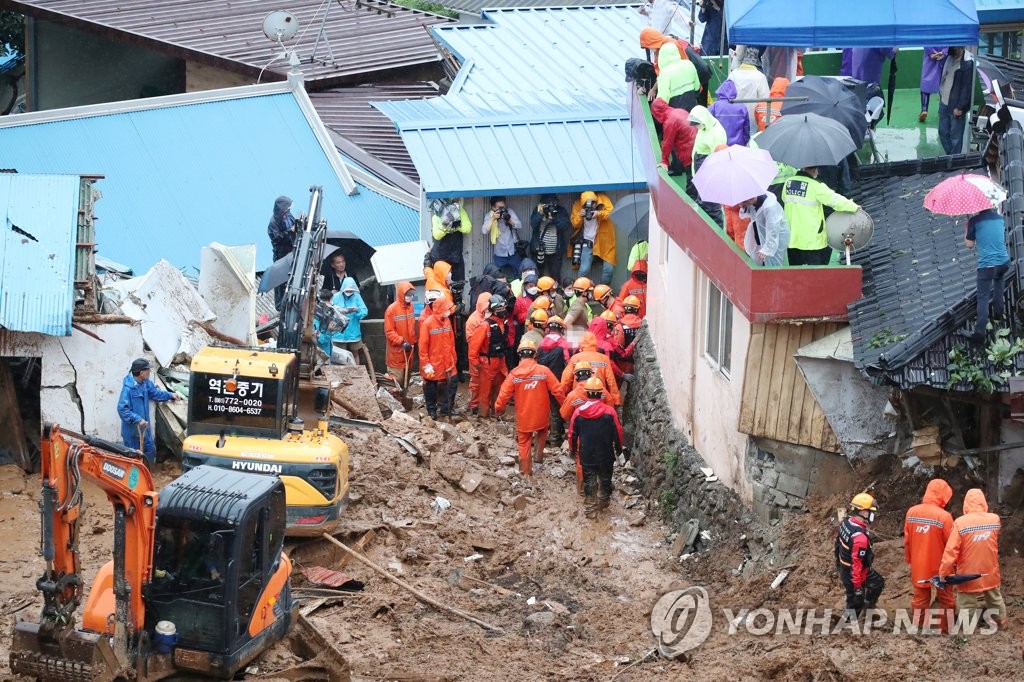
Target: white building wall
705,400
81,376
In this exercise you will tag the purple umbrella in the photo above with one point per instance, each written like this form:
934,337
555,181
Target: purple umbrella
735,174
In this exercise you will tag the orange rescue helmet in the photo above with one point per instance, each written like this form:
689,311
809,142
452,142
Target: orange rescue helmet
593,387
546,283
556,322
542,303
527,348
539,318
600,291
582,284
583,366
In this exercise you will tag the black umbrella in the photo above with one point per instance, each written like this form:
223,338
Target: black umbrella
804,140
891,89
277,274
955,579
828,97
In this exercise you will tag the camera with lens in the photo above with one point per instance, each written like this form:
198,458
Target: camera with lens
589,209
551,209
458,288
502,212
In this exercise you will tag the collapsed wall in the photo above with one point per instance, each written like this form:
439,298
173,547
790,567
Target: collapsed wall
670,469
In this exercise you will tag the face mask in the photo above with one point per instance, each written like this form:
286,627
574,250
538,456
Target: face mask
871,517
568,293
532,291
408,299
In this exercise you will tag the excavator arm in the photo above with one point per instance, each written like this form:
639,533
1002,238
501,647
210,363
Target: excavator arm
68,458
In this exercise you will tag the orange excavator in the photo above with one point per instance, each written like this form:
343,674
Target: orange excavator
198,584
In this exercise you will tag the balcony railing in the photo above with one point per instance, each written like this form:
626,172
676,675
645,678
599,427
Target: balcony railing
761,294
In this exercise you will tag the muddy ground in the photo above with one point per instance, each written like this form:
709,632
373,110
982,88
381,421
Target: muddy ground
573,596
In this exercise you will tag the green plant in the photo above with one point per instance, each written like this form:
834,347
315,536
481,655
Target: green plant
426,6
991,369
885,337
668,502
671,462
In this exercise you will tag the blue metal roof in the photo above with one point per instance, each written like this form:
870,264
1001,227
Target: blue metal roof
573,51
545,86
38,235
1000,11
184,171
537,150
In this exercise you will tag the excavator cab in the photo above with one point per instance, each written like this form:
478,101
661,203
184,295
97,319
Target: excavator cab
218,572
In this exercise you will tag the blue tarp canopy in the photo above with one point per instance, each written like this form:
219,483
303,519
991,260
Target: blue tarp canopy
862,23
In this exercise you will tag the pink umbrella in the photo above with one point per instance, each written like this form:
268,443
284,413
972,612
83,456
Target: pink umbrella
735,174
964,194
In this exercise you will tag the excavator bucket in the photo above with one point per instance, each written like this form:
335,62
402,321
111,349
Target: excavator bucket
73,656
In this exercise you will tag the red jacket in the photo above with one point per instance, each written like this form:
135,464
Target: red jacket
973,546
399,328
437,347
595,433
679,134
926,530
532,384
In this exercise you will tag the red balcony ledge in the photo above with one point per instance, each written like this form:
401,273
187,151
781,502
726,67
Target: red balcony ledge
762,294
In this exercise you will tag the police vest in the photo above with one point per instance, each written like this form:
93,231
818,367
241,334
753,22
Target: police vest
844,543
496,343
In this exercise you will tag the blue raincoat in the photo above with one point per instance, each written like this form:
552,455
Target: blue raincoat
351,333
133,406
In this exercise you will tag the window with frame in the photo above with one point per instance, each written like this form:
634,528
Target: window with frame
718,335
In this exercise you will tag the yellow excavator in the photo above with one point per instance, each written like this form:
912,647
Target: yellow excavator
248,407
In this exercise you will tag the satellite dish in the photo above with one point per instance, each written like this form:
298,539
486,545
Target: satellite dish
280,26
847,231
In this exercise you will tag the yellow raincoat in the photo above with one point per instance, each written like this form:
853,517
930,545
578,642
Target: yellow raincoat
604,241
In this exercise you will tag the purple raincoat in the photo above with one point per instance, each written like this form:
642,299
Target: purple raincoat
734,117
931,69
846,68
867,63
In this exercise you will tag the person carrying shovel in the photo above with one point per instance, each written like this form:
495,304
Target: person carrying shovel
133,407
401,333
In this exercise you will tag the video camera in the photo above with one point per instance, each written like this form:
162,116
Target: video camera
451,217
329,317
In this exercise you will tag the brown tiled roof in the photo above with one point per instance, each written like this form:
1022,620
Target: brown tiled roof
347,112
365,36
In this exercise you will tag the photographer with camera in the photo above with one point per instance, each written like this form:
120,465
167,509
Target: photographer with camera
551,227
593,236
448,224
502,225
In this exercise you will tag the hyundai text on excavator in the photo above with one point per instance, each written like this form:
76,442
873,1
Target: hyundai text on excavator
247,405
198,584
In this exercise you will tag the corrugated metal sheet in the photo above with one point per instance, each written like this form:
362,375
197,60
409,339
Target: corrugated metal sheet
37,252
366,36
584,51
519,152
347,111
478,6
777,403
179,177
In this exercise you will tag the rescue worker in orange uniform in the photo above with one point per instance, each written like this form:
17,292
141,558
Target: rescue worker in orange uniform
595,438
439,277
604,295
533,385
854,556
601,327
542,302
973,547
636,285
401,335
925,532
601,364
624,336
487,352
429,296
437,359
473,322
